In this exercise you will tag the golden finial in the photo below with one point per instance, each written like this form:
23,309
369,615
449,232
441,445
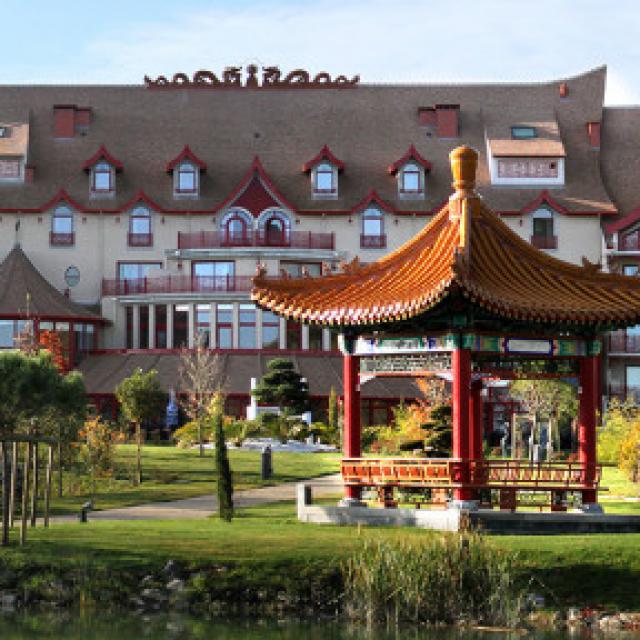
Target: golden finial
464,162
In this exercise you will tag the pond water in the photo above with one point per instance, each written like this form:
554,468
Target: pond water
76,626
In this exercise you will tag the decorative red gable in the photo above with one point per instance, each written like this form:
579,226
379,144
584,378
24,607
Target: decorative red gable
325,154
256,192
372,198
103,154
411,154
186,154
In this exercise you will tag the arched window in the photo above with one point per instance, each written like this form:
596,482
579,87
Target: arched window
274,228
373,236
324,179
102,178
62,226
140,227
236,228
411,179
186,178
543,233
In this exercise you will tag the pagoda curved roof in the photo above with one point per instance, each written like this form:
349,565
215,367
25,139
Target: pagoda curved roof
24,292
467,250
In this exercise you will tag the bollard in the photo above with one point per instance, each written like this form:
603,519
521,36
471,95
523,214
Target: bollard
267,463
84,510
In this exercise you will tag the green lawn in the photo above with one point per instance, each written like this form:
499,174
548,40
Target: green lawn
618,484
268,542
170,473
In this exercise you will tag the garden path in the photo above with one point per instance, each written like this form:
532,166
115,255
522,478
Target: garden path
204,506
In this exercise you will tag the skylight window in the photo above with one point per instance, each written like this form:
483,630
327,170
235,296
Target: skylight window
523,133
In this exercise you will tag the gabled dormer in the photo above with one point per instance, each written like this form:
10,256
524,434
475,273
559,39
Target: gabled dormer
324,169
102,168
186,168
411,174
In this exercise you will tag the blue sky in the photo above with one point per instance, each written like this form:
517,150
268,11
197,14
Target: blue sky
120,41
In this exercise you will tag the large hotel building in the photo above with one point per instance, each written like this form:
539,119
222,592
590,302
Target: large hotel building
132,218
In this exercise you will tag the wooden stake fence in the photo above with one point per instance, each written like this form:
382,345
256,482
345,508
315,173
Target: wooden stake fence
10,461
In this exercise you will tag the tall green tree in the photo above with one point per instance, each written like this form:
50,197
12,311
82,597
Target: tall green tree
142,400
223,469
282,386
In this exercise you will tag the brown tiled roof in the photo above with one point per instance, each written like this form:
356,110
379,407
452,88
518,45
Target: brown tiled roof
467,250
367,127
24,291
103,372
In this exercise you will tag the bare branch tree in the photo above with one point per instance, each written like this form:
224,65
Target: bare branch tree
201,376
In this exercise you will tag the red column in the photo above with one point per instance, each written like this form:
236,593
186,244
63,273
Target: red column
461,387
352,428
587,423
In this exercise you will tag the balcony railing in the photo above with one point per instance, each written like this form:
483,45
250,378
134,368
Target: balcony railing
176,284
630,242
623,392
622,342
544,242
292,239
373,242
62,239
140,239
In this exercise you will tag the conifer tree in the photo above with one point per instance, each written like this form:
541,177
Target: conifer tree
223,469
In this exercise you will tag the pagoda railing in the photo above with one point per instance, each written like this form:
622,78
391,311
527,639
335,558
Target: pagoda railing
290,239
176,284
450,473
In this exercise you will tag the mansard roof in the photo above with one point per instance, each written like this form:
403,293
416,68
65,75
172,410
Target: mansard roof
324,154
362,125
24,292
466,252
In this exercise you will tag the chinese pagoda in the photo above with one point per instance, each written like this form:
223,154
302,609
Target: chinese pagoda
470,300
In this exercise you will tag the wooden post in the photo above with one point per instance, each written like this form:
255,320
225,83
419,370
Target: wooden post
47,487
60,464
25,493
14,483
5,494
352,426
34,480
587,425
461,387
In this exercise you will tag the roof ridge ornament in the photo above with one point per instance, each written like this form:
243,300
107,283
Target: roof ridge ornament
272,78
464,163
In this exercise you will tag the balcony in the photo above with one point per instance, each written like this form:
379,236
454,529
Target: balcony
62,239
544,242
140,239
624,392
373,242
292,239
630,242
622,342
176,284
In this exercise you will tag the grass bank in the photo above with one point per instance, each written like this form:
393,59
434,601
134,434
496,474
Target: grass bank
266,549
170,473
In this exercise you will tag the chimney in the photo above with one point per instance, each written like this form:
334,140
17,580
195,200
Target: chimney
564,90
593,129
447,120
29,173
64,121
427,116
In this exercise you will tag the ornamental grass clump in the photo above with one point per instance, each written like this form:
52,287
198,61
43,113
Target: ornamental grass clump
441,578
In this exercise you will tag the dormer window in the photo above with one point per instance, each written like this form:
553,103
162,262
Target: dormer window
186,178
62,233
324,169
410,171
102,168
521,132
102,179
185,169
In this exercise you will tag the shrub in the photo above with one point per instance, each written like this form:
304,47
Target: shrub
441,578
97,452
189,434
617,425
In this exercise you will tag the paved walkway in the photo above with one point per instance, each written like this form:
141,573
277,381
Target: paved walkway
204,506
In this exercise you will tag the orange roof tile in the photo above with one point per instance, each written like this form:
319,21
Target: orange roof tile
466,248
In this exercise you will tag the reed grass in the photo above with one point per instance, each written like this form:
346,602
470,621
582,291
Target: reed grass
438,578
